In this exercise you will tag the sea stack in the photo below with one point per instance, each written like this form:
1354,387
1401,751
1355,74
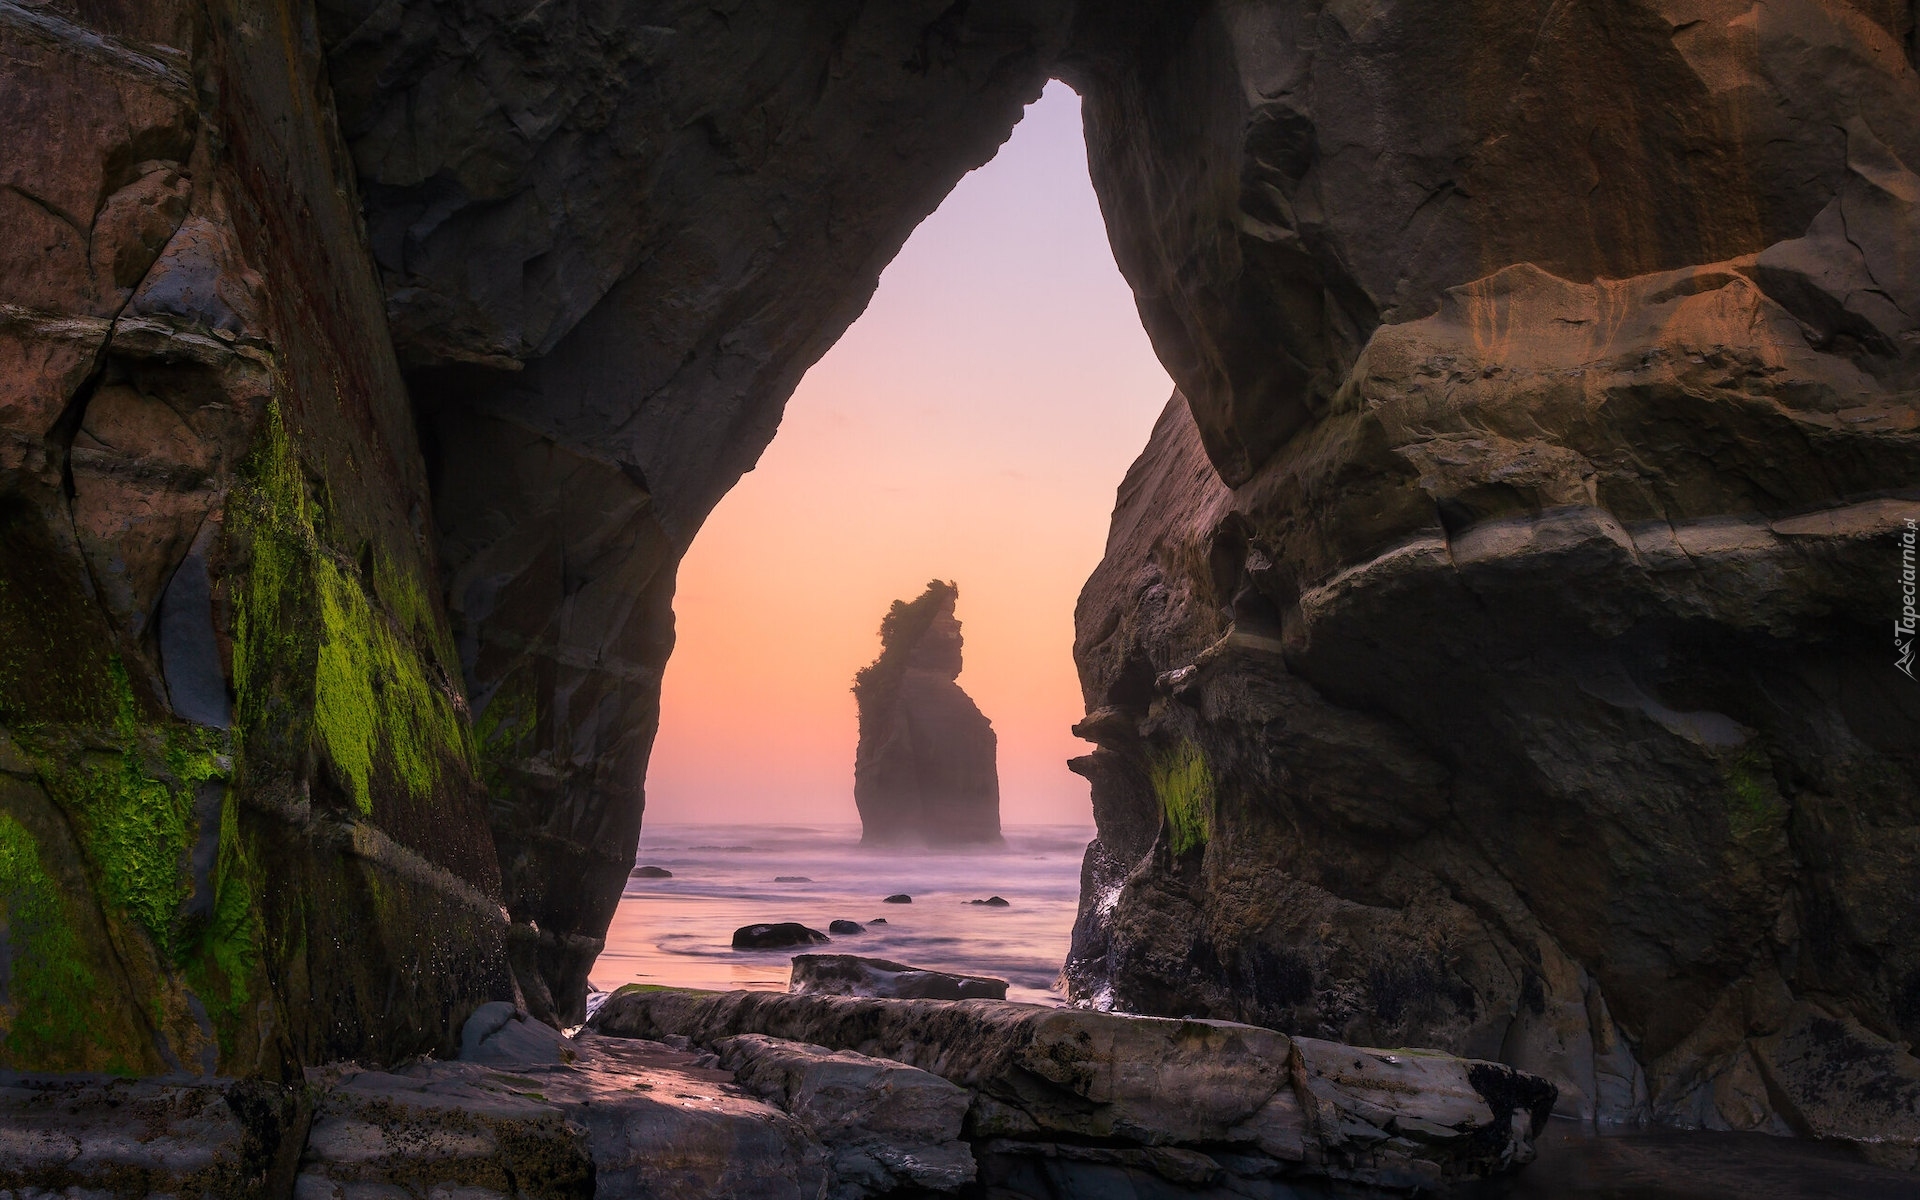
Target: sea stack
926,770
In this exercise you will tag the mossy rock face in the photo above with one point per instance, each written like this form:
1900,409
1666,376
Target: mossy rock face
1184,784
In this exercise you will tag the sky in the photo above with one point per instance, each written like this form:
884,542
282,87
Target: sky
972,426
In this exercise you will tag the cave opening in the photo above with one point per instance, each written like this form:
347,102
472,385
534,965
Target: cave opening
971,425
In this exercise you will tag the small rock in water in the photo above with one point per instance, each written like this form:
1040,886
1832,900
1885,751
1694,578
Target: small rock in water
846,927
878,921
898,898
993,902
791,879
851,975
652,873
777,936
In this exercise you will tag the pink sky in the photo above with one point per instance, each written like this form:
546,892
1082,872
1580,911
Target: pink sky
971,426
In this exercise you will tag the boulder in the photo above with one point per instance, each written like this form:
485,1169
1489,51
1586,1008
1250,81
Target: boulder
500,1033
878,921
851,975
993,902
886,1125
926,771
898,898
777,936
845,927
95,1136
1251,1101
651,873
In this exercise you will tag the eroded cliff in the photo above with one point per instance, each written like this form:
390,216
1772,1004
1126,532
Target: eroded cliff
926,771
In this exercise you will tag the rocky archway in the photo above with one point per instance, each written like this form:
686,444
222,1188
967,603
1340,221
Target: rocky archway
1515,564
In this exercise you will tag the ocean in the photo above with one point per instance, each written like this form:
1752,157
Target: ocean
679,931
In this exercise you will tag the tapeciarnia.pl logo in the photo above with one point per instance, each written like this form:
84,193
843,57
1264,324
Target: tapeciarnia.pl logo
1904,625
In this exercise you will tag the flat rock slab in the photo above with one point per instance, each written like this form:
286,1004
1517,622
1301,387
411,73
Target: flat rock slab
852,975
1401,1119
437,1126
189,1138
886,1125
617,1120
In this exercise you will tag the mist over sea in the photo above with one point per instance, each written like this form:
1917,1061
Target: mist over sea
678,932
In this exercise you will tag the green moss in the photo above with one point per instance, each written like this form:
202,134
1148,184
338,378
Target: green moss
1753,802
136,823
499,732
221,961
1184,786
375,707
49,994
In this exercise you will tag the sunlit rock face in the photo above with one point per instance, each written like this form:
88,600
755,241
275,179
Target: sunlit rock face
613,238
926,771
1493,647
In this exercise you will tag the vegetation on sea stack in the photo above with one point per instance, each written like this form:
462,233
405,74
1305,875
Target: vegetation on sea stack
1184,785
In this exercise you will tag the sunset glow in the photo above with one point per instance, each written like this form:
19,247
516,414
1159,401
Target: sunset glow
971,426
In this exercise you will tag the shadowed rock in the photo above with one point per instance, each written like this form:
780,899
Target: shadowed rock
926,771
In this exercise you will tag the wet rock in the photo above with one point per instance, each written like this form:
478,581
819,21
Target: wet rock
650,873
1392,1117
101,1137
885,1124
878,921
926,770
776,937
618,1120
993,902
1044,1076
898,898
851,975
845,927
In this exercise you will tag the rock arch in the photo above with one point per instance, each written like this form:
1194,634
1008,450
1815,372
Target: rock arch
1548,371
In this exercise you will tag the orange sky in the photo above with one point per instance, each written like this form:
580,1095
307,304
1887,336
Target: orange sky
972,425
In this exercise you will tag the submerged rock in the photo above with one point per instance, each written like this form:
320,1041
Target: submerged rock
845,927
777,937
791,879
993,902
926,770
898,898
852,975
651,873
1184,1101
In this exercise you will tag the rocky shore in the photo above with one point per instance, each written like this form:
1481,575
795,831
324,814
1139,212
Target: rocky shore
680,1095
